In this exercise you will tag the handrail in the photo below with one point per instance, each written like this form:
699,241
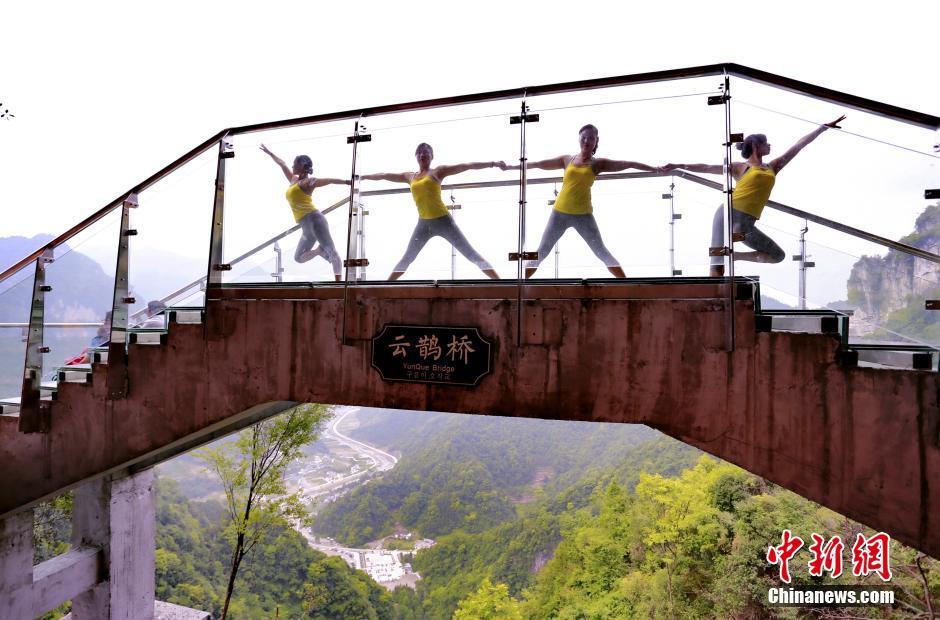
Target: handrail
913,117
819,92
57,325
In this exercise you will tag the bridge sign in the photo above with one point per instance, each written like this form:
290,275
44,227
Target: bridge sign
431,354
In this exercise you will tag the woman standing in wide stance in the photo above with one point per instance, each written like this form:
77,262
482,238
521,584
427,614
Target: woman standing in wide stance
573,207
434,220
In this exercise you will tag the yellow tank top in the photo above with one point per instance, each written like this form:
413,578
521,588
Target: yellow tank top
301,203
753,191
575,195
427,195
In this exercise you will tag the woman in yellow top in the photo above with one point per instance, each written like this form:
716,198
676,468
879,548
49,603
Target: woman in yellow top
434,220
755,180
313,224
573,208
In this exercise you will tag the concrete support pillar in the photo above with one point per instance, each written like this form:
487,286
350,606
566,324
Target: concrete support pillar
16,565
118,517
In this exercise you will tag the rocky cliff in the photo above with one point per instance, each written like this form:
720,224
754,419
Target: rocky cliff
889,291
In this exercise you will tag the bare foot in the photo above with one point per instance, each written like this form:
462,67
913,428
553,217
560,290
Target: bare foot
617,271
491,273
529,272
716,271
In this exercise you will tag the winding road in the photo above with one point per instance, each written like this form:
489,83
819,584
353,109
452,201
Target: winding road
381,460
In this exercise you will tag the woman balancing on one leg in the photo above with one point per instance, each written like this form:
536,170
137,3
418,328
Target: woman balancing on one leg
433,218
313,224
755,180
573,208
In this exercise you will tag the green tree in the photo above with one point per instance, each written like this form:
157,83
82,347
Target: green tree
335,591
251,470
489,602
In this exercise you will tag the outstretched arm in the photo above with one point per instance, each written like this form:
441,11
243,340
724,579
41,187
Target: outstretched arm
616,165
328,181
704,168
737,169
554,163
395,177
784,159
280,162
445,171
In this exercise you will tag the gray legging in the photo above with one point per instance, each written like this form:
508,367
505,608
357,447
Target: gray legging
742,222
439,227
584,225
315,228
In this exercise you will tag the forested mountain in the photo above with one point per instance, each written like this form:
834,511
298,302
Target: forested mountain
653,530
467,472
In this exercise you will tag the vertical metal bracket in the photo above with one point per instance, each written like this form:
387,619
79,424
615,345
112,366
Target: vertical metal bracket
356,244
213,272
34,415
804,264
361,235
354,139
522,120
278,274
452,207
726,103
673,216
117,346
557,243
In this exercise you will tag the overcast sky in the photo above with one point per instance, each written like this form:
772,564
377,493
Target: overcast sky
106,93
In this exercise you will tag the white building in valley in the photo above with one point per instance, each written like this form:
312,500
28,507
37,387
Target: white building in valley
383,566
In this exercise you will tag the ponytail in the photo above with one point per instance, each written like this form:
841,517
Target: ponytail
306,162
747,147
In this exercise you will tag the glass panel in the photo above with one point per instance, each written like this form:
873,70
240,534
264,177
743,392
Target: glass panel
651,124
882,290
15,293
871,174
857,176
82,281
170,251
486,197
257,212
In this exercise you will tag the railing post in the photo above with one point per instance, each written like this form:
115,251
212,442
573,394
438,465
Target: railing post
117,346
804,264
216,266
523,180
34,413
354,139
278,274
673,216
729,202
453,207
362,239
557,243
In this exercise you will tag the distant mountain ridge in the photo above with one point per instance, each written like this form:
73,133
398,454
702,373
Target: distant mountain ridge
12,249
